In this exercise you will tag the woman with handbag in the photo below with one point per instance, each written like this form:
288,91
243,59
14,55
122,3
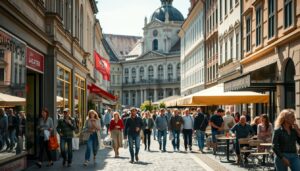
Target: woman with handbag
92,126
116,127
45,127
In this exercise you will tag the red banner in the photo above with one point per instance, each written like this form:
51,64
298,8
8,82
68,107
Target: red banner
97,90
102,65
34,60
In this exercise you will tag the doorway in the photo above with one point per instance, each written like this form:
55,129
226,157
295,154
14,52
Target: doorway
33,107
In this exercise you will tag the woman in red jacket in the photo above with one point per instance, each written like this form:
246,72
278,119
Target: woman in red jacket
116,129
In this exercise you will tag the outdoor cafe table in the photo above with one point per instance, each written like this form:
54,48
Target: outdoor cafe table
227,138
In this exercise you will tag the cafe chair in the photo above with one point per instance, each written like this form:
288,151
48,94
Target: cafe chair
245,149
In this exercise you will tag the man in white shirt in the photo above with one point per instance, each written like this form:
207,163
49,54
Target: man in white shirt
188,124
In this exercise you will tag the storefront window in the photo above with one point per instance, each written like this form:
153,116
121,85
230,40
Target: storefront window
12,97
63,88
80,107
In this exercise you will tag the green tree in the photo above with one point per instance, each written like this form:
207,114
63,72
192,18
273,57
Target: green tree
162,105
147,106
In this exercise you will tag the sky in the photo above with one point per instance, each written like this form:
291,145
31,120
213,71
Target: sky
126,17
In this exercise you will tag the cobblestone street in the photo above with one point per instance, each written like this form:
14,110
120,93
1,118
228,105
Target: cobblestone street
154,160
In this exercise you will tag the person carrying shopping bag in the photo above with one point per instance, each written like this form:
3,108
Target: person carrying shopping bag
92,127
116,127
45,127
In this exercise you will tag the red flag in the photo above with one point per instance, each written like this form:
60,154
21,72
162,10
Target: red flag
102,65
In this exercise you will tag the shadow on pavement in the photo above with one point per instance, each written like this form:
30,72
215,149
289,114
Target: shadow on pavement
142,163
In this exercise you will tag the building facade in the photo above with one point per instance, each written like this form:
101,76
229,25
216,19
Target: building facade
193,50
211,43
270,63
117,47
155,73
229,35
46,57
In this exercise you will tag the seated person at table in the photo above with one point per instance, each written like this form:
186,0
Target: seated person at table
241,130
264,130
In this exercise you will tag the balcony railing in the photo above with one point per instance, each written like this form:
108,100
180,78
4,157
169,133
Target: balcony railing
153,82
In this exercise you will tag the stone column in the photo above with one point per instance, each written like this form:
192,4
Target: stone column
130,75
129,98
174,91
165,71
145,95
142,95
174,71
165,92
50,89
155,95
155,69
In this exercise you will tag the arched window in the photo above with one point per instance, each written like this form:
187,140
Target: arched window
155,44
170,72
290,85
133,75
81,26
126,74
142,72
178,72
160,72
150,73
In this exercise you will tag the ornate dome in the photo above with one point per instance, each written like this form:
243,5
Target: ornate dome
168,10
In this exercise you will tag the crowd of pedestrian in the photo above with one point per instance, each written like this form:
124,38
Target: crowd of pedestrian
137,127
12,130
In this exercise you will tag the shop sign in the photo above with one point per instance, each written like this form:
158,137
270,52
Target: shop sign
34,60
237,84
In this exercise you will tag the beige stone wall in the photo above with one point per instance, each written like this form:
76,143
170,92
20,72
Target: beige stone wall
285,45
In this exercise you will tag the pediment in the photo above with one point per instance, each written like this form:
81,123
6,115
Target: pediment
151,55
154,24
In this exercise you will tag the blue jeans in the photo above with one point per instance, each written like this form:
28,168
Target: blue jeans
200,137
294,162
91,144
12,138
162,134
154,132
137,141
214,133
63,142
176,139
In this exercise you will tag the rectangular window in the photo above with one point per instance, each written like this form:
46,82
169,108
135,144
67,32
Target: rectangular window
225,6
64,87
225,51
248,33
288,13
80,98
230,4
231,48
237,42
258,25
220,3
271,18
1,74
